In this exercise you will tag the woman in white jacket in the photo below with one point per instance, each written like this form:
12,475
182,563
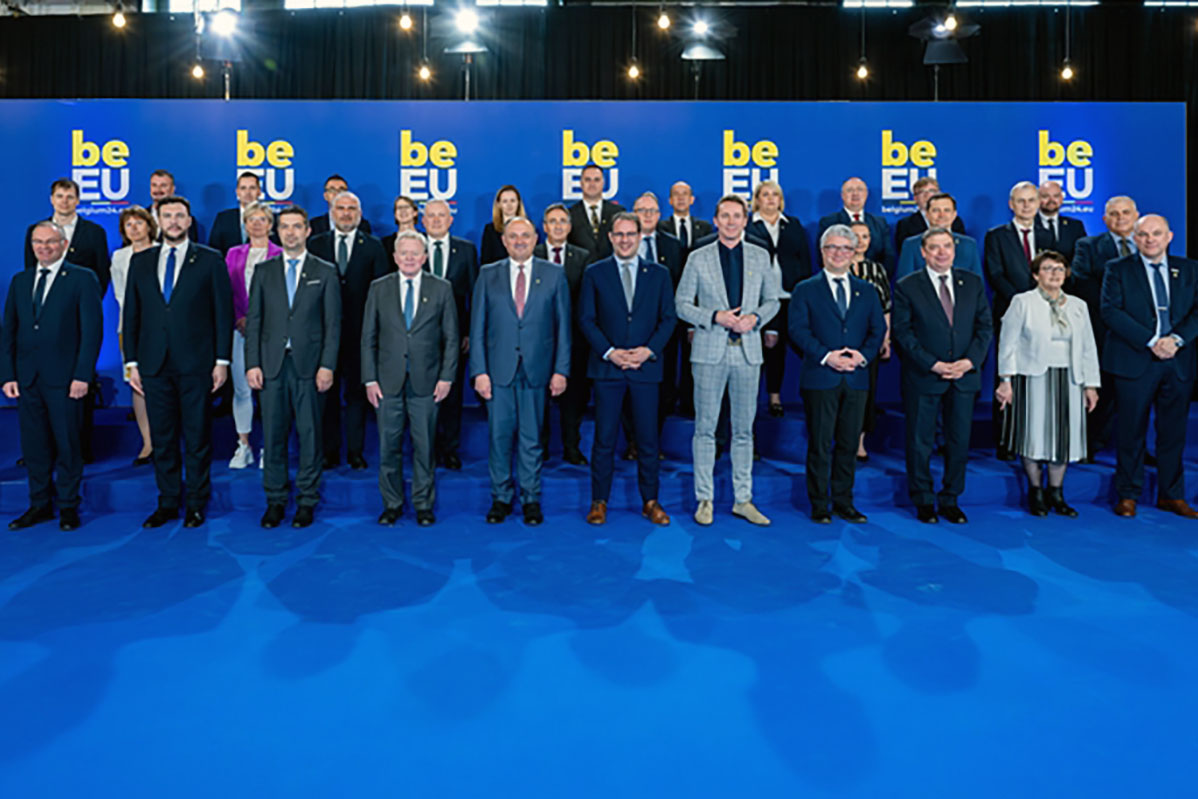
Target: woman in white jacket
1048,374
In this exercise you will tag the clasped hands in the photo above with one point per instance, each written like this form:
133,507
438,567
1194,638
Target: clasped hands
1165,347
844,360
954,370
630,359
735,322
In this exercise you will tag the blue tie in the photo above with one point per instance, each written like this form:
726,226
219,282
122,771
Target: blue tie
409,309
1162,301
652,255
842,299
39,292
292,264
168,280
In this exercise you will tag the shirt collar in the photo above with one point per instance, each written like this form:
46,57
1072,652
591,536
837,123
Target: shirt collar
1017,226
299,257
54,267
850,213
351,234
1148,264
1046,218
935,276
833,278
443,239
180,248
517,264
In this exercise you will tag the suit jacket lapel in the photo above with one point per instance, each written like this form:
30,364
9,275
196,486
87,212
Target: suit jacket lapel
717,274
504,277
642,284
959,315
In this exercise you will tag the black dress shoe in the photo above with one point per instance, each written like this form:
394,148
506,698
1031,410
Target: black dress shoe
821,516
160,517
273,516
390,516
532,513
304,515
926,514
31,517
193,518
452,461
574,457
140,461
425,517
498,512
850,514
776,410
863,458
630,454
331,462
68,519
953,514
356,461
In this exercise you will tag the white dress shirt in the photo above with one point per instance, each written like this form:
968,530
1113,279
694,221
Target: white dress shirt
934,276
684,222
432,248
1150,273
54,267
1053,223
180,255
854,214
513,271
68,228
1031,235
774,228
832,282
349,244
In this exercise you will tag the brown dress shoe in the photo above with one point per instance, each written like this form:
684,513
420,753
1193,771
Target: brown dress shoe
1125,507
654,512
598,514
1178,506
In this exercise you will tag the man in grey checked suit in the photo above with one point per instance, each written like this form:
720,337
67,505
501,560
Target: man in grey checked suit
728,291
410,350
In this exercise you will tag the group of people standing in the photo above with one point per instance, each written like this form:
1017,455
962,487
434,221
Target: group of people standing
645,314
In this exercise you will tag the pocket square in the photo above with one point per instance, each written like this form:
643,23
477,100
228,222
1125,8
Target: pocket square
312,282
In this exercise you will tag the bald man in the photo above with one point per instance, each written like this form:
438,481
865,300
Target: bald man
854,193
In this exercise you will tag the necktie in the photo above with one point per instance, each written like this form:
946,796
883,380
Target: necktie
342,254
438,260
946,299
1027,248
292,270
683,236
1124,250
409,306
1052,225
557,255
39,292
520,291
649,245
842,298
857,216
595,220
626,277
168,280
1162,300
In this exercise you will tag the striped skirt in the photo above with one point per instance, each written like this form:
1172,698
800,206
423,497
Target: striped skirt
1047,417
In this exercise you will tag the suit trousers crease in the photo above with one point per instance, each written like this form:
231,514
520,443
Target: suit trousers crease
515,414
285,399
741,379
419,414
610,396
50,423
178,406
834,419
1161,389
955,408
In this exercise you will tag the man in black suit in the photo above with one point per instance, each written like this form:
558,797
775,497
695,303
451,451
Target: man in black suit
627,317
228,229
359,259
682,225
854,193
456,260
162,185
916,222
333,185
292,332
53,324
178,337
941,326
590,217
1150,305
87,246
1053,231
572,403
410,352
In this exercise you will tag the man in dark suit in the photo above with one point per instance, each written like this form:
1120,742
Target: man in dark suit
590,217
836,324
1090,257
917,221
87,246
942,212
682,225
941,326
292,333
53,324
162,185
627,316
455,259
228,229
854,193
520,321
572,404
1150,306
410,350
659,247
359,259
333,185
1054,231
178,337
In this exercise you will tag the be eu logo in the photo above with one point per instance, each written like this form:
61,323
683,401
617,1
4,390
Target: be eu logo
101,170
427,171
576,154
272,163
903,164
745,166
1071,165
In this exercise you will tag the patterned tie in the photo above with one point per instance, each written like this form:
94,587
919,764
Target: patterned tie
626,278
292,273
683,236
946,299
438,259
1162,300
557,255
595,220
409,307
842,298
39,292
342,254
521,289
168,280
1124,250
1027,248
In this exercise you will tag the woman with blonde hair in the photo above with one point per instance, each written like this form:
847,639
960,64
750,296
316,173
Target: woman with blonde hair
507,205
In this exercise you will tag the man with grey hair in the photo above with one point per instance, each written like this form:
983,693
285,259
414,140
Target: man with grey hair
359,259
333,185
1055,231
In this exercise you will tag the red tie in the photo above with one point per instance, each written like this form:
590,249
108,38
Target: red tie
557,255
520,289
1027,249
857,217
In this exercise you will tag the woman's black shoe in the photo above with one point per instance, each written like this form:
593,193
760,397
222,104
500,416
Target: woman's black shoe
1055,497
1035,502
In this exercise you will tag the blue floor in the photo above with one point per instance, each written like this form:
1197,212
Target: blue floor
1010,657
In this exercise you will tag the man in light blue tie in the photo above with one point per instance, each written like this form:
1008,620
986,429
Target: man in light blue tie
292,334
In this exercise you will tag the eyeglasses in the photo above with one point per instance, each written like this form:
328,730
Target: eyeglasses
839,248
1051,269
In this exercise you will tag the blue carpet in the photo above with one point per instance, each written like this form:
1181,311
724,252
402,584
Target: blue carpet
1008,657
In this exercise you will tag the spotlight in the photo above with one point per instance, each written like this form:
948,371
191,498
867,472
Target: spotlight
663,21
634,72
1067,71
862,70
950,23
118,19
197,72
405,21
467,20
701,27
940,29
425,73
224,23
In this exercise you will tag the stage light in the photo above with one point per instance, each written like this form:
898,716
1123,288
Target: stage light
634,72
466,20
425,73
950,23
197,72
940,29
701,27
405,21
862,70
118,19
663,21
224,23
1067,71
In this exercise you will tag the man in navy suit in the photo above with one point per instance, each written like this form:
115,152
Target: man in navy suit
916,222
659,247
520,323
942,212
53,325
836,324
1054,231
590,217
178,337
1150,306
627,316
942,328
854,193
228,229
682,224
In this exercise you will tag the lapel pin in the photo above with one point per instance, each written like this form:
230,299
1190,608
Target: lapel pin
1175,274
538,280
